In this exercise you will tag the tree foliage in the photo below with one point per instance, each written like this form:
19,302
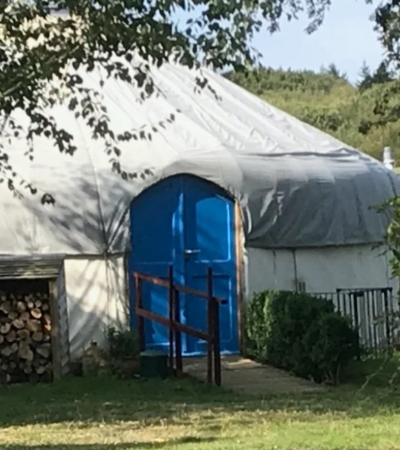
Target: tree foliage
382,75
46,40
386,108
366,117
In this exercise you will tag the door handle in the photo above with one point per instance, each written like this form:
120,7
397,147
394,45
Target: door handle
191,251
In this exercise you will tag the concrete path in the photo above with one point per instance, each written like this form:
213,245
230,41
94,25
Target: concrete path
250,378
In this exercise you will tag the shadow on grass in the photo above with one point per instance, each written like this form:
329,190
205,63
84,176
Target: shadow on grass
122,446
144,403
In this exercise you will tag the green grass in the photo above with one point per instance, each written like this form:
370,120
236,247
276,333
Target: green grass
106,414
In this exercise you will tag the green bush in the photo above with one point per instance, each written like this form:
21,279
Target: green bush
301,333
122,344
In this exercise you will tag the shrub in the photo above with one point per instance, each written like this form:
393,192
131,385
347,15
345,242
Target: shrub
122,344
301,333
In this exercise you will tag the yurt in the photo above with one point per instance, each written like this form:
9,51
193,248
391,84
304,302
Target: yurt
216,178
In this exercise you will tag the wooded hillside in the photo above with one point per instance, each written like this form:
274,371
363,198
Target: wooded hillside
329,102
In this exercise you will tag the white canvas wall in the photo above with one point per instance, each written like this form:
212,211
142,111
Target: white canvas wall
96,292
322,269
269,269
346,268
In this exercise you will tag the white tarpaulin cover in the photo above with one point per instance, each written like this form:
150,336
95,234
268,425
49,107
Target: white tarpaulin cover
297,186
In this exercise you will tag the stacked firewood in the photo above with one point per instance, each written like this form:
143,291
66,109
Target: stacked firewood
25,338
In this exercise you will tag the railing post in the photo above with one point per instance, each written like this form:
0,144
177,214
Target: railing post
387,320
356,320
171,316
139,305
210,324
178,336
217,349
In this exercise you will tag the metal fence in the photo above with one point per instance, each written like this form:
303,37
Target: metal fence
374,312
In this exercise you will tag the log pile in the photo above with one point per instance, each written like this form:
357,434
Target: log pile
25,338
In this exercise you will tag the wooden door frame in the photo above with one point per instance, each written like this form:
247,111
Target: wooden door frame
239,240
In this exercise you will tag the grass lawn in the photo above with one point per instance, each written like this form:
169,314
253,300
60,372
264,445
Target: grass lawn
106,414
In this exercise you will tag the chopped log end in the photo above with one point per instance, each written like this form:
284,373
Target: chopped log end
33,325
18,324
5,328
13,315
25,351
47,322
36,313
25,316
40,370
6,351
21,307
11,336
38,304
5,306
23,334
14,347
47,319
37,336
30,304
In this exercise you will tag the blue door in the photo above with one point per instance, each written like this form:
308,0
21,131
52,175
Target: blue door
188,223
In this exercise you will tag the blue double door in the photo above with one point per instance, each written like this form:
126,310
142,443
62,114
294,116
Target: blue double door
186,223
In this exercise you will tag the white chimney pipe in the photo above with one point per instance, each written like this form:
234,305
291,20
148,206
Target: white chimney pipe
388,160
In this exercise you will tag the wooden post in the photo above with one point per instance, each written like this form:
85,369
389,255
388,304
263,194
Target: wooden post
171,316
55,330
178,336
139,304
210,325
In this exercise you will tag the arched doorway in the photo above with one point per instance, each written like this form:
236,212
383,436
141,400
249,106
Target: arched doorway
188,223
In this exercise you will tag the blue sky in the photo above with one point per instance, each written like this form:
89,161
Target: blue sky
346,38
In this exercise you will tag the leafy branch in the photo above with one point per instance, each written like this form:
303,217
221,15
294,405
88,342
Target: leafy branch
45,44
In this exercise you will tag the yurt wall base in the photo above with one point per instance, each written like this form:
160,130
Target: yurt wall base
97,287
97,299
325,270
318,270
